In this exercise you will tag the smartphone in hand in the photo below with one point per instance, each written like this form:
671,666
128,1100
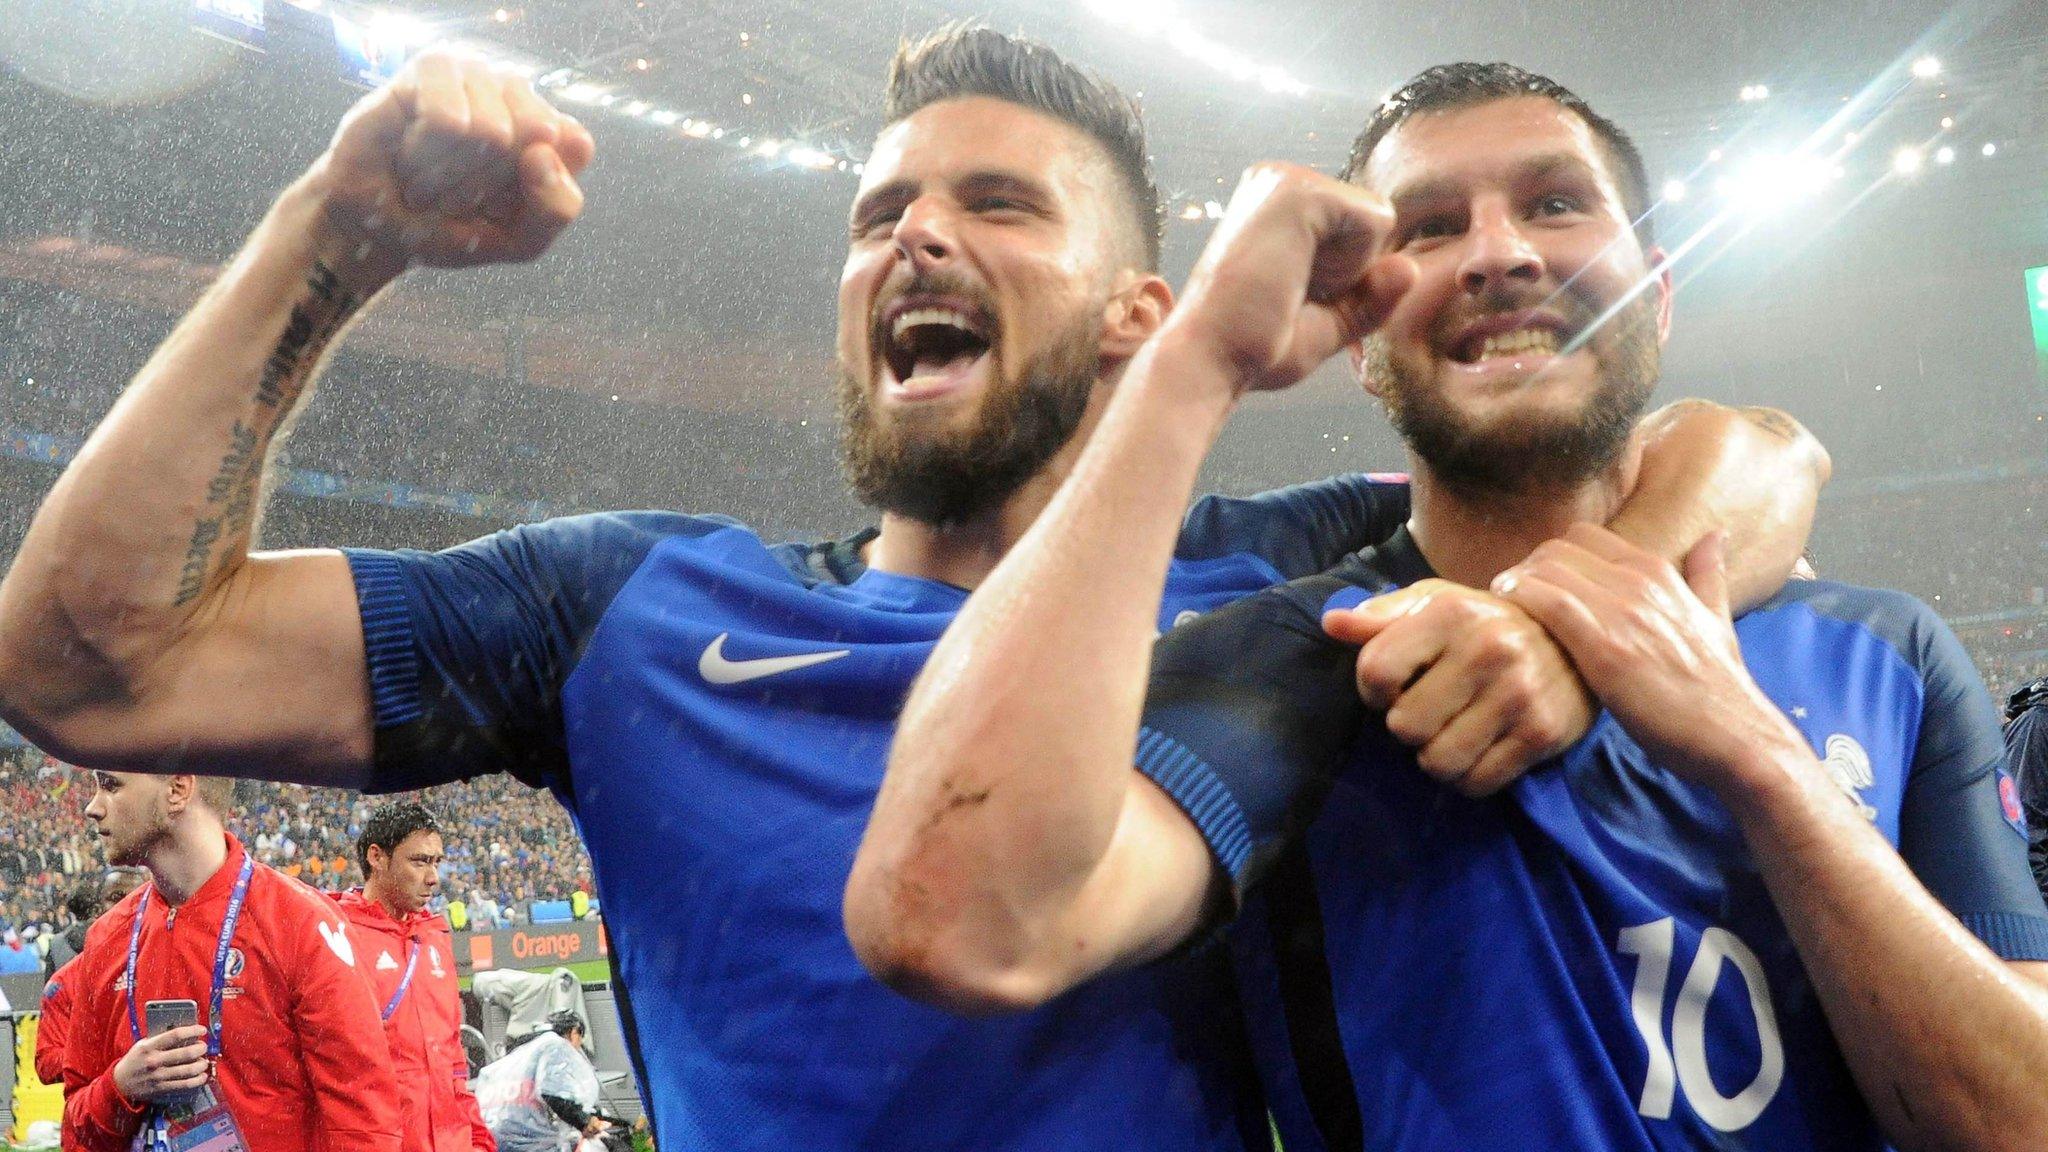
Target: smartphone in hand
163,1015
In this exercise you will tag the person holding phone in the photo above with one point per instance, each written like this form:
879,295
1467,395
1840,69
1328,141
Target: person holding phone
218,1006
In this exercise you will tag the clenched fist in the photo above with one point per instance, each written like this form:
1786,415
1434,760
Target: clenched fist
455,163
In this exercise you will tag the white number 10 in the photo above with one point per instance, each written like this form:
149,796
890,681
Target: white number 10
1652,945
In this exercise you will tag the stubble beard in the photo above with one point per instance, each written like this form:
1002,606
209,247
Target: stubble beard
1515,457
952,477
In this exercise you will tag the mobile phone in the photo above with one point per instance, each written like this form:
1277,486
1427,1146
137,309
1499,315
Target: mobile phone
164,1015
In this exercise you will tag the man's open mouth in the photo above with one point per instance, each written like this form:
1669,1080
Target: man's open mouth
933,340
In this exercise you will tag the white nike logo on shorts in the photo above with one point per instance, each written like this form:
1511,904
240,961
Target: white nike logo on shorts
716,669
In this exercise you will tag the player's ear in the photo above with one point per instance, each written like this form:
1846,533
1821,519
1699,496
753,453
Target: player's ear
180,790
1137,307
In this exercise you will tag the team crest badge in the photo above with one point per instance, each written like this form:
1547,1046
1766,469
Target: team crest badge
2009,802
1848,766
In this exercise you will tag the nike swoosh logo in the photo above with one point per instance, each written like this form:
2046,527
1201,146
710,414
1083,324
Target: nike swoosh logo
716,669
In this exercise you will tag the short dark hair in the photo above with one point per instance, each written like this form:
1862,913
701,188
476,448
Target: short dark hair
965,60
389,825
1449,86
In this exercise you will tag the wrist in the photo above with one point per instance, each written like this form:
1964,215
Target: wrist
1771,786
306,210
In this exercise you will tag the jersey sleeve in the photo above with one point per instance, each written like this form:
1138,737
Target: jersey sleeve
1959,826
1300,530
2026,754
1250,712
468,648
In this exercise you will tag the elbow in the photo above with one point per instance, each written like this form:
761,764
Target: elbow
941,960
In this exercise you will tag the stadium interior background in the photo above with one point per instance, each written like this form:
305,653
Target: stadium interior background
1858,189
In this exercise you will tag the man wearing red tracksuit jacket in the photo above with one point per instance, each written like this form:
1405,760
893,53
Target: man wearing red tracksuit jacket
298,1056
53,1028
405,953
89,900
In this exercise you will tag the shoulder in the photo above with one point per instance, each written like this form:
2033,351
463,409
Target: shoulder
1300,529
1910,627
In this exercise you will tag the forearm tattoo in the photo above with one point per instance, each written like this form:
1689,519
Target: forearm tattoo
232,495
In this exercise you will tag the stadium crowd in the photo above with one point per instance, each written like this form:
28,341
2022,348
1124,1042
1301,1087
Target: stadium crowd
509,845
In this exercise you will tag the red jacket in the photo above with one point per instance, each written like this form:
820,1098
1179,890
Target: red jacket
303,1064
439,1111
54,1024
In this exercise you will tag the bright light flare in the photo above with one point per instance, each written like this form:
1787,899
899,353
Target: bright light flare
1908,161
1945,155
1674,191
1768,185
1926,68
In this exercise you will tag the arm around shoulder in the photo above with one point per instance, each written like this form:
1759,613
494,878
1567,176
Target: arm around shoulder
1754,472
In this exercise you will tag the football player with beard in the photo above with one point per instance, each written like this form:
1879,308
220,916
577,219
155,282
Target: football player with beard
713,708
1768,899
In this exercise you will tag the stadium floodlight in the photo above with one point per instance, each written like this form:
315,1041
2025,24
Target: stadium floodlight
1674,191
1990,149
1926,68
1945,155
1751,93
1907,161
1769,184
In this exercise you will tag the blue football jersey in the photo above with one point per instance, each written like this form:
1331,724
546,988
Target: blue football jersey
715,713
1590,959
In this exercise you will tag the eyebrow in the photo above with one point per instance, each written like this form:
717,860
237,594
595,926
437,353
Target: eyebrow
1532,168
980,183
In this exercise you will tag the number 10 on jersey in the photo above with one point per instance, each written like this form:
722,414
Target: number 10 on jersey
1681,1062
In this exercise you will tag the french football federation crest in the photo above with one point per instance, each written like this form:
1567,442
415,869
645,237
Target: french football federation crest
1848,766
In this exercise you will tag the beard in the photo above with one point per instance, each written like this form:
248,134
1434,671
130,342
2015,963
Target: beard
1520,455
131,850
951,476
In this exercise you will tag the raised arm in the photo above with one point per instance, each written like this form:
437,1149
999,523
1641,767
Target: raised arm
1013,852
136,627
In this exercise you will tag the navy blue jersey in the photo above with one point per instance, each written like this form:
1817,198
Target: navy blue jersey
1588,960
715,713
2026,752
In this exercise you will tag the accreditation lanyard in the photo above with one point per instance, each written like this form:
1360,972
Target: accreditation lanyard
157,1135
412,957
236,898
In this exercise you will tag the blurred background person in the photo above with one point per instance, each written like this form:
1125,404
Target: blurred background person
542,1096
89,899
404,951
